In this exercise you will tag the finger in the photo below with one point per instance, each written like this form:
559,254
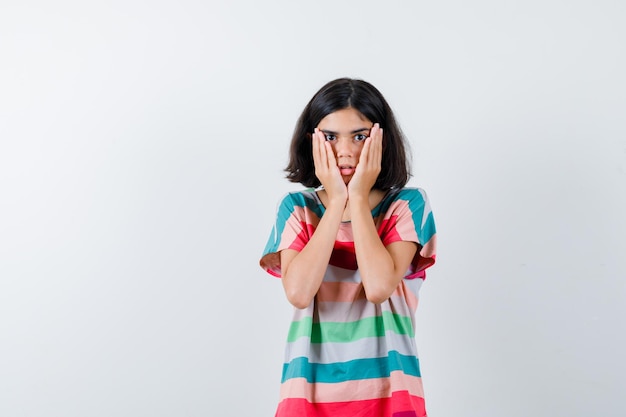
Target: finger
321,159
365,152
323,149
370,147
377,146
325,156
316,149
330,155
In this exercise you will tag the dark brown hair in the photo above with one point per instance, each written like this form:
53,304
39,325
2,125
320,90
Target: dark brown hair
360,95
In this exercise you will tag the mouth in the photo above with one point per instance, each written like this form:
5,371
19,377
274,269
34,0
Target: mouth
346,169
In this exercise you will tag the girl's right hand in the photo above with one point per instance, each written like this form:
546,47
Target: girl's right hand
327,171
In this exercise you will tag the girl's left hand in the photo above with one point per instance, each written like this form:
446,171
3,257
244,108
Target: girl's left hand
369,166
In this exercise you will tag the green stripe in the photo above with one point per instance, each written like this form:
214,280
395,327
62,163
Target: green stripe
337,332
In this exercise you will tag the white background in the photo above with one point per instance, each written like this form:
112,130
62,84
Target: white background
141,153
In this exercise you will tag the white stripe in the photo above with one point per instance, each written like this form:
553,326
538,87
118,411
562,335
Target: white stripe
370,347
337,274
414,285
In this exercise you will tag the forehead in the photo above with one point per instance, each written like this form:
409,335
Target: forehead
345,119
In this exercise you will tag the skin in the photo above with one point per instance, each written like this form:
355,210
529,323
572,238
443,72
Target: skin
347,163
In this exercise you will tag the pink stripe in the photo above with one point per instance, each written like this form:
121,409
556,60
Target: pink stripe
364,389
406,229
290,233
428,251
297,232
344,234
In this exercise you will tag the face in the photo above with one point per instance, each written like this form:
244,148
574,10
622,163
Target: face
346,130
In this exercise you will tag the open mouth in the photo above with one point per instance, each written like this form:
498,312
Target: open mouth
346,169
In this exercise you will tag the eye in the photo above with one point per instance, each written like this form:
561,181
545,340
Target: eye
360,137
330,137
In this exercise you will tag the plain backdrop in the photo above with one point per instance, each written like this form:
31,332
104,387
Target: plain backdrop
141,153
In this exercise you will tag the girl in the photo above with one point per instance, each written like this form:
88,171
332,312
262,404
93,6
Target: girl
351,252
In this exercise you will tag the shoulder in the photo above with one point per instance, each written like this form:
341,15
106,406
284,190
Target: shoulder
409,204
298,200
413,196
411,193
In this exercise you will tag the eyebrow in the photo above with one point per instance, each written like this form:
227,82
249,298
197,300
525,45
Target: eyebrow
330,132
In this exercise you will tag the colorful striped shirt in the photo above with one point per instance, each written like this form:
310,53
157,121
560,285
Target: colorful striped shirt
346,356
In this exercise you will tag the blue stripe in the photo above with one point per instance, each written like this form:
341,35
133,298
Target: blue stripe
417,204
415,197
428,230
351,370
383,206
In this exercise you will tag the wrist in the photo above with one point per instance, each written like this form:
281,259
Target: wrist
358,198
337,203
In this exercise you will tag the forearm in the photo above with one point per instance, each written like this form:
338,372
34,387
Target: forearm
303,272
379,273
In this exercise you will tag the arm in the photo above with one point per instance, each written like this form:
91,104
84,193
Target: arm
304,271
382,268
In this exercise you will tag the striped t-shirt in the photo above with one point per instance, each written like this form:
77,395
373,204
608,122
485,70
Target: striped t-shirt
346,356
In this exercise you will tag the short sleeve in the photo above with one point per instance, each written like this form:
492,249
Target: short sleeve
296,218
410,218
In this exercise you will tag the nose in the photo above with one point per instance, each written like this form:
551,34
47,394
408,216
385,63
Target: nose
344,148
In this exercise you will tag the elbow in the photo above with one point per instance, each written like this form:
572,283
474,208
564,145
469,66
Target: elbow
300,304
377,295
298,300
377,298
298,294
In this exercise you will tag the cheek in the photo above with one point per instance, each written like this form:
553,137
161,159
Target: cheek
358,152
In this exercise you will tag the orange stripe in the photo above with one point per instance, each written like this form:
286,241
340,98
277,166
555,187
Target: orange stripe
357,390
340,292
403,292
352,291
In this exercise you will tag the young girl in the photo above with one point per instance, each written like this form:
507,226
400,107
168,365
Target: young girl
351,252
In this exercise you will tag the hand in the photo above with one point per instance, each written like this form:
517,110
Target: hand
369,166
326,169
